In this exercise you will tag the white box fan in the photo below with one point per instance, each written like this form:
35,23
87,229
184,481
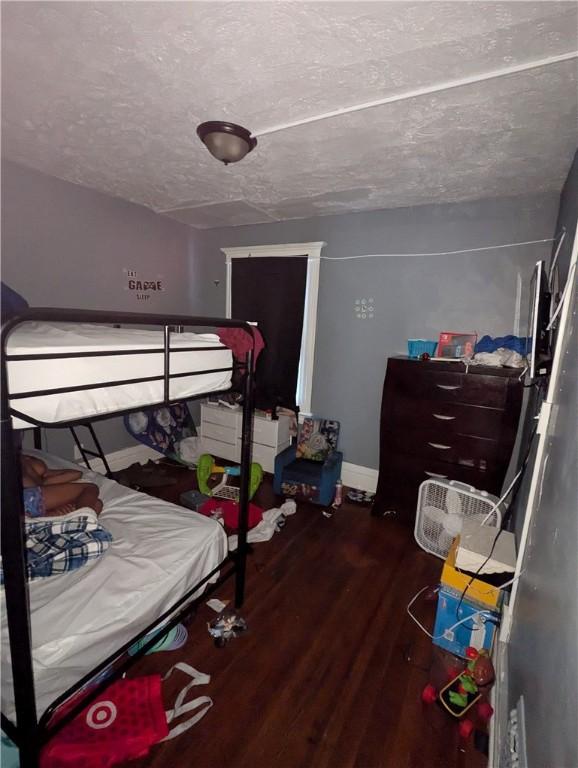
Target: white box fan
441,508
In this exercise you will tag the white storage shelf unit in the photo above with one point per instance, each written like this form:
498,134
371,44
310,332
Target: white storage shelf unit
221,435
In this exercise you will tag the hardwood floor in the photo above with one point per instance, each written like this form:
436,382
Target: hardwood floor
330,671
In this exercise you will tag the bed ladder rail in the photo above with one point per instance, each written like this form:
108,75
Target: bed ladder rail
85,452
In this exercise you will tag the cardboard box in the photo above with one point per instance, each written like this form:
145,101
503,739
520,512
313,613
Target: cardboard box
476,630
478,591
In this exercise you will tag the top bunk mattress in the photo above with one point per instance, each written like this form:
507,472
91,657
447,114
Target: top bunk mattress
90,355
158,552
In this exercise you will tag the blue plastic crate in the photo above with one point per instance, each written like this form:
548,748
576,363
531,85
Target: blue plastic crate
417,347
478,631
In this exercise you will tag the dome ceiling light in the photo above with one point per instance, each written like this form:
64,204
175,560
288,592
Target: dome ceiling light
228,142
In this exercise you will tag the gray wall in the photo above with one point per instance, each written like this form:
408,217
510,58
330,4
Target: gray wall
67,246
416,297
64,245
543,652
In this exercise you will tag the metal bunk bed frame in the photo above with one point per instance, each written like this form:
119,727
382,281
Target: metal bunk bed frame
29,732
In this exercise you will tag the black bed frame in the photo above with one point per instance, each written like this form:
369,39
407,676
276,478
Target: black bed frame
30,732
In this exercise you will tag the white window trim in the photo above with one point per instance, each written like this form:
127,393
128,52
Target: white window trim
313,253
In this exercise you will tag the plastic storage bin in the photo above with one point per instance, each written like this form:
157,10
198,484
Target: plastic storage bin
417,347
476,624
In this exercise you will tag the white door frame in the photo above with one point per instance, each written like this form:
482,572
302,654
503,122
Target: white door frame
313,253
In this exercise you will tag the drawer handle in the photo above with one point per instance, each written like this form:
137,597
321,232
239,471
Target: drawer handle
448,386
435,474
440,447
441,417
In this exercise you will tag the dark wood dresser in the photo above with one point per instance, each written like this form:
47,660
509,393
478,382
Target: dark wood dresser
439,420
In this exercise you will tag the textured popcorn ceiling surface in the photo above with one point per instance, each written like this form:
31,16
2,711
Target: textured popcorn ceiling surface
109,94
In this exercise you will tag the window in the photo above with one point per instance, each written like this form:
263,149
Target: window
313,253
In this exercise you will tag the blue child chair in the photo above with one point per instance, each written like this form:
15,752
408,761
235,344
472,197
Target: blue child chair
310,468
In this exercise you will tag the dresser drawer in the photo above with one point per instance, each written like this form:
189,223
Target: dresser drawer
226,417
219,432
447,418
472,452
264,455
269,432
446,387
399,482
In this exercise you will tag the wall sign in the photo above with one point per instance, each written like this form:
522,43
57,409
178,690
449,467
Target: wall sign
142,289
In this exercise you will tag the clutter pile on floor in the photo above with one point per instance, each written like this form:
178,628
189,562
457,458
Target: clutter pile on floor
227,625
478,566
272,522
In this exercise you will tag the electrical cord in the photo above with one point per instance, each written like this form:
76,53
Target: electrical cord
505,518
495,507
485,613
490,617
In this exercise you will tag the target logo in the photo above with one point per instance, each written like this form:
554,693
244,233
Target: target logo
101,715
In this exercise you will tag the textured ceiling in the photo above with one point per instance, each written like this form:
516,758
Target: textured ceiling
108,95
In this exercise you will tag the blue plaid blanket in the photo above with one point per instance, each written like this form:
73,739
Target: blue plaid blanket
55,545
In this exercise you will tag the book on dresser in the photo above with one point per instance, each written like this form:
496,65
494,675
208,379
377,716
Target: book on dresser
441,420
221,434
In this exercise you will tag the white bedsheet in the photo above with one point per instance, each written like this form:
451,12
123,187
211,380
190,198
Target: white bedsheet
40,338
79,618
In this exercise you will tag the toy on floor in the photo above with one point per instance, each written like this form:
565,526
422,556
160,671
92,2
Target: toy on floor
206,467
225,626
464,690
360,497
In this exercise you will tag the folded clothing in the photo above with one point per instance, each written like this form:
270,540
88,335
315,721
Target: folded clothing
518,344
59,544
501,357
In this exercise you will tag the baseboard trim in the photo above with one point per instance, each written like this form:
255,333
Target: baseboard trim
118,460
356,476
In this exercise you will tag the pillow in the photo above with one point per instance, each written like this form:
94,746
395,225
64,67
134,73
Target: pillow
317,439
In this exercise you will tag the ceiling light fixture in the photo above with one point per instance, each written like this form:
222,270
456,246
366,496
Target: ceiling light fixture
228,142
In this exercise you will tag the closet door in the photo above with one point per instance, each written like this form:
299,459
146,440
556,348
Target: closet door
271,292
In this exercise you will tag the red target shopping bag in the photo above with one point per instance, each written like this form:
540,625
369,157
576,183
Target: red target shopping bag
124,722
